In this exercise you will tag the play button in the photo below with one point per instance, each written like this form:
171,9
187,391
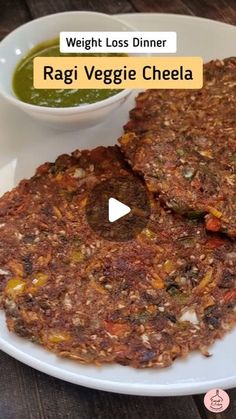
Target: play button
118,209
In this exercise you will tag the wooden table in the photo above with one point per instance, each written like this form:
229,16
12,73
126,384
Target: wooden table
26,393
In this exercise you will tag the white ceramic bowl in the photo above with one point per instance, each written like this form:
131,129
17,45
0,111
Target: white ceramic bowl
21,40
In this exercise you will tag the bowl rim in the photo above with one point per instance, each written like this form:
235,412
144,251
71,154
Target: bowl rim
69,109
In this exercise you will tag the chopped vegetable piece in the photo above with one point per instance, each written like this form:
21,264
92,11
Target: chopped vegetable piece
189,316
208,301
180,152
206,279
77,256
157,282
215,212
150,234
117,329
169,266
57,212
213,223
14,287
97,287
59,337
39,279
233,157
230,296
206,153
193,214
188,173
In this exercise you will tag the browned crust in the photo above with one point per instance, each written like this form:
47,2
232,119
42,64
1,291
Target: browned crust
184,143
96,301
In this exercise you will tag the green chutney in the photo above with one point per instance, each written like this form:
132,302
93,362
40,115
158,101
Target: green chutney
54,98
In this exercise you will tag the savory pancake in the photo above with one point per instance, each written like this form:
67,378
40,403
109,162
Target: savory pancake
184,144
142,303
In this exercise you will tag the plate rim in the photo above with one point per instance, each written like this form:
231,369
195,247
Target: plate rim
178,16
135,389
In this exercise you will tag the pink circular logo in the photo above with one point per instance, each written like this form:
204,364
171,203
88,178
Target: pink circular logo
216,400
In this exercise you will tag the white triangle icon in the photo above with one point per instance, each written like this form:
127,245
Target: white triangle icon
116,210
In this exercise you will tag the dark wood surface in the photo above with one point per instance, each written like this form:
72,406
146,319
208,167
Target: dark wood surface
26,393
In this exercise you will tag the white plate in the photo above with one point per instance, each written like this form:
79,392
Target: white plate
25,144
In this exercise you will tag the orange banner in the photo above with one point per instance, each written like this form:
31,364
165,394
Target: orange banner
118,72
